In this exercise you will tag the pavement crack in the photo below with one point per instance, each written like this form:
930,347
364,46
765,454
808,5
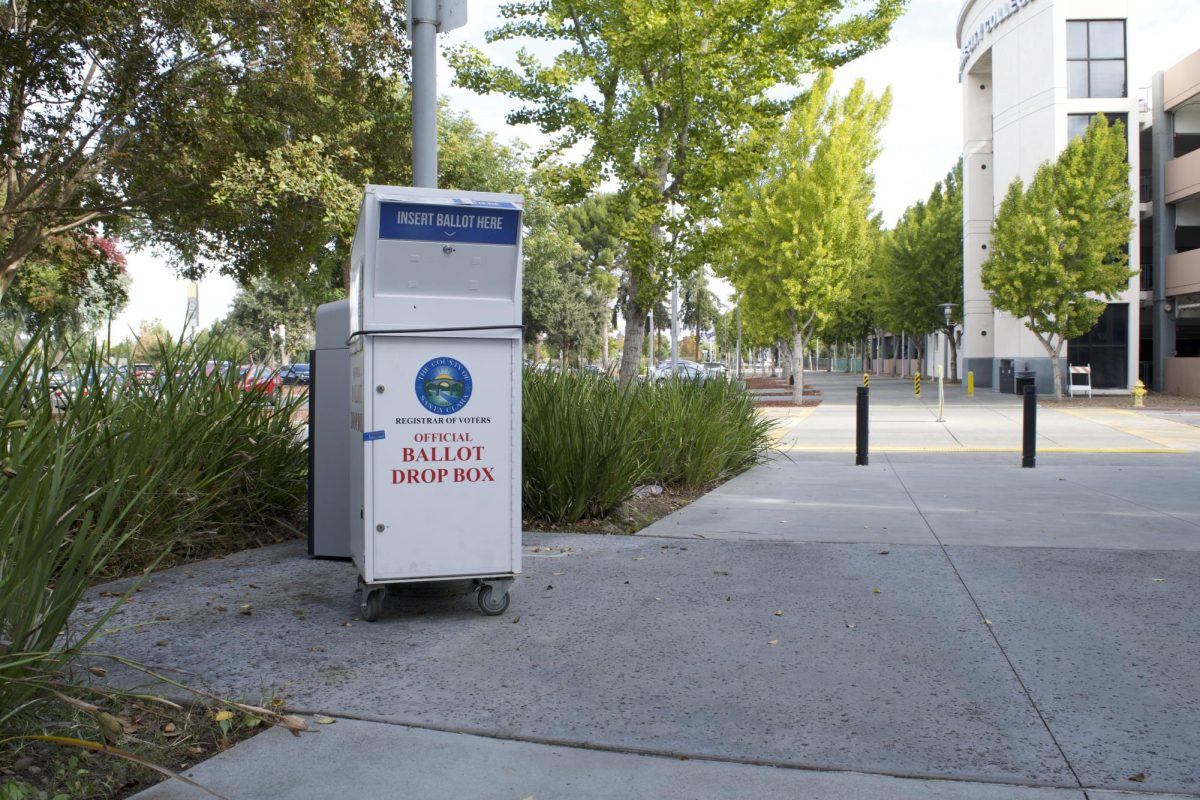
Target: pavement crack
990,629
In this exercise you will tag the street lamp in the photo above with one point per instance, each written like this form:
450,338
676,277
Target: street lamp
942,361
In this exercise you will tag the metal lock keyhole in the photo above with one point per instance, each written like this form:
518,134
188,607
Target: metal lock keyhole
447,249
380,527
379,389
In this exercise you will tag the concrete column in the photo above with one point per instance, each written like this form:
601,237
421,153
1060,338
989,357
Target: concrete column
978,341
1163,146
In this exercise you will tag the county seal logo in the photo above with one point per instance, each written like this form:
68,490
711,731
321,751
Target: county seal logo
443,385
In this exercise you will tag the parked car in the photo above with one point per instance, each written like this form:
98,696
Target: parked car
296,375
715,369
261,380
680,370
144,374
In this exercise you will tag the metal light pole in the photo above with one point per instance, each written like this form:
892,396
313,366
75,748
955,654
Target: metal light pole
942,362
675,328
739,337
426,18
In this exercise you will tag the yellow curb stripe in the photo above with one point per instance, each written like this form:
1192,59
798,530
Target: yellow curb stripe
892,449
1095,415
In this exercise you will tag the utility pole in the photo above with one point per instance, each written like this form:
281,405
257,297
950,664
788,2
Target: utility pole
739,337
675,327
426,18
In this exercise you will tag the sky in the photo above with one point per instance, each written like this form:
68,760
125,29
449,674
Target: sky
921,143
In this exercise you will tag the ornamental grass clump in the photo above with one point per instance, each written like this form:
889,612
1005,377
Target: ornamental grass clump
701,432
582,453
112,477
590,442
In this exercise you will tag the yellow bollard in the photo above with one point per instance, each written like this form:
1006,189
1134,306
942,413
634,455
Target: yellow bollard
867,379
970,384
917,385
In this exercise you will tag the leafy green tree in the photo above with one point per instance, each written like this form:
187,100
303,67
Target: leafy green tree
275,318
289,210
1059,248
71,284
806,226
699,306
116,112
664,93
919,266
595,226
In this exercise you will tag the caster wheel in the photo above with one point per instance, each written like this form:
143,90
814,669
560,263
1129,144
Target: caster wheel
490,603
370,604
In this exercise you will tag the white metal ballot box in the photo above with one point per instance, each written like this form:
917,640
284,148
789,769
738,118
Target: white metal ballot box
435,391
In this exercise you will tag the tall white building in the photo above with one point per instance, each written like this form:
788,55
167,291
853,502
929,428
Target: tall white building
1033,74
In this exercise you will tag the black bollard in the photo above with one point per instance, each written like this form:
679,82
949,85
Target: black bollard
860,449
1029,446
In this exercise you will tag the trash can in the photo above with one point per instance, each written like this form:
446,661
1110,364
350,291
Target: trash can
1007,373
1023,379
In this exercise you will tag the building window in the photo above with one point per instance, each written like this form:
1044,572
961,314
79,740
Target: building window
1105,348
1096,58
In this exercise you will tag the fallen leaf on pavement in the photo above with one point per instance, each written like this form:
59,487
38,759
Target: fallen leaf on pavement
985,622
1138,778
323,720
773,641
246,609
1159,580
877,591
851,625
779,613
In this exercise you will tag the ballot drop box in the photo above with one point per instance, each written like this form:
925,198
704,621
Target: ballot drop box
435,392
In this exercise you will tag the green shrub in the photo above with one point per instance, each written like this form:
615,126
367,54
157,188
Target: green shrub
701,432
589,442
122,477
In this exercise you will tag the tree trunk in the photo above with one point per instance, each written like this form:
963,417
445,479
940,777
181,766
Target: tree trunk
797,362
1054,353
635,335
604,345
953,354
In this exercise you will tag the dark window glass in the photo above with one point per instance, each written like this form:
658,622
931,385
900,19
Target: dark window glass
1096,58
1106,348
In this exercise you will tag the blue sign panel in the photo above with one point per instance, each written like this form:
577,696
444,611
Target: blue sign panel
471,224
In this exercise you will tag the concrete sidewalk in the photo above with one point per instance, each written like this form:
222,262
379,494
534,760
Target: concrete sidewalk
940,624
988,422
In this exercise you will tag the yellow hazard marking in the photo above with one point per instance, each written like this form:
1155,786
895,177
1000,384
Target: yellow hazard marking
898,449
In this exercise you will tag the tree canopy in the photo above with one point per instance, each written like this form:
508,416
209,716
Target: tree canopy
919,266
804,228
1059,249
664,96
123,113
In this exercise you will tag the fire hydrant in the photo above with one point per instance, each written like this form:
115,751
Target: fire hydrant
1139,394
